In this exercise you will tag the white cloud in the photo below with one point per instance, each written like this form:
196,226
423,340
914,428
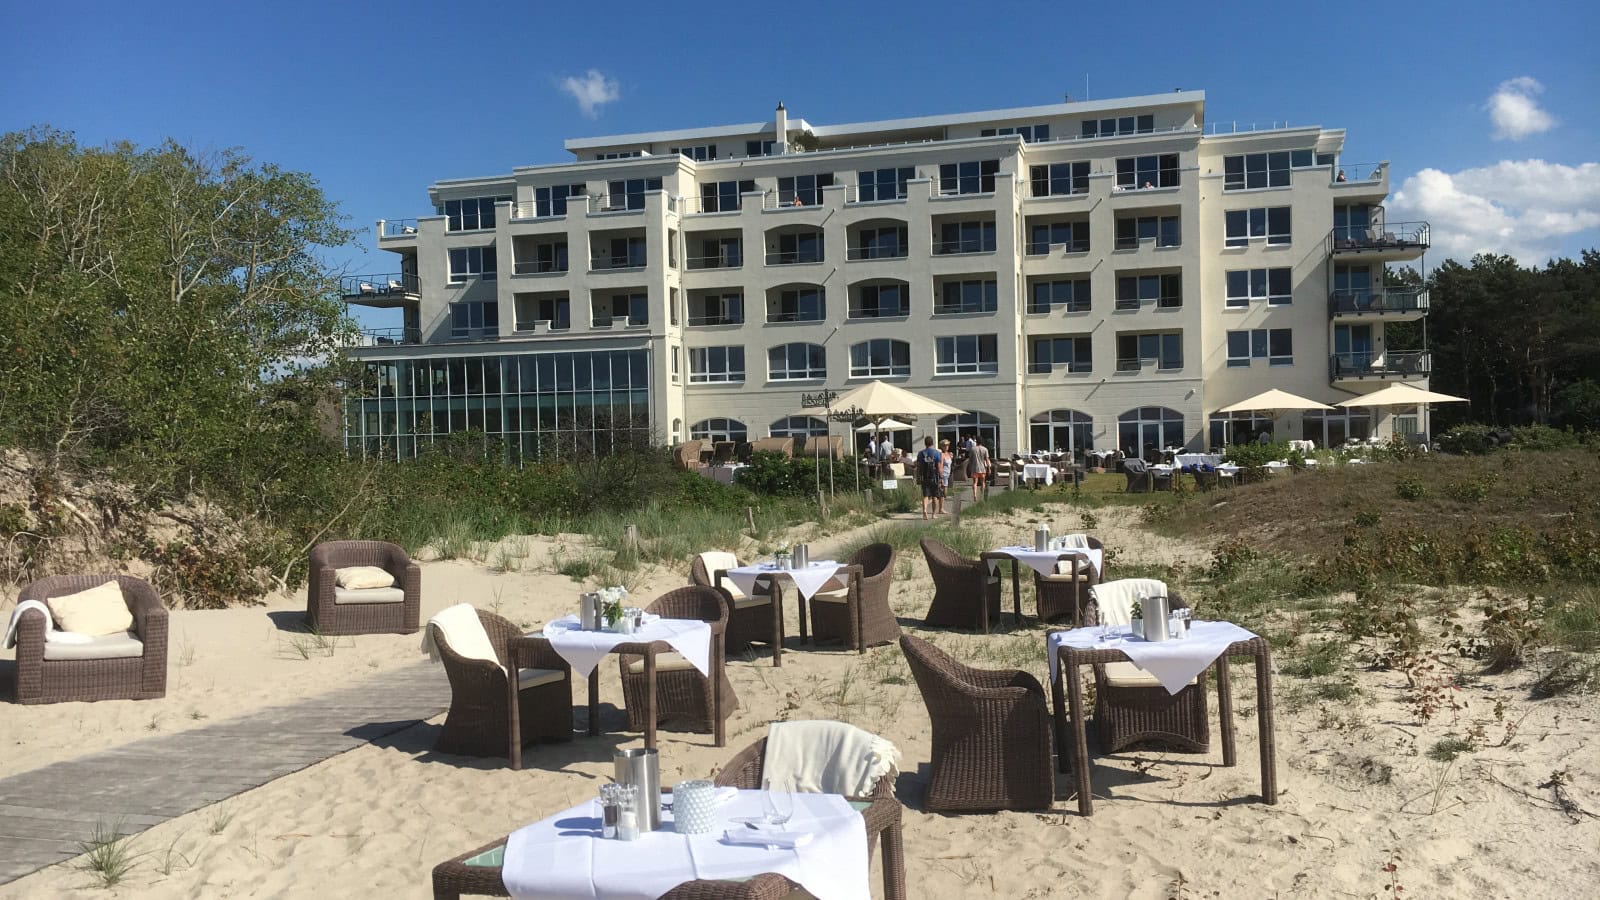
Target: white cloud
1522,208
1514,110
592,91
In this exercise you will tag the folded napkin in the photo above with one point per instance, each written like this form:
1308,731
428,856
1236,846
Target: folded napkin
759,836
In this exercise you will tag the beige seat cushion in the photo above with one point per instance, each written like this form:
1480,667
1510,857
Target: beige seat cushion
362,577
841,595
740,601
1066,579
98,610
1128,675
671,661
528,678
369,595
122,645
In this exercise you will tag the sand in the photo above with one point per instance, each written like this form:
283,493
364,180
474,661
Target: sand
1357,788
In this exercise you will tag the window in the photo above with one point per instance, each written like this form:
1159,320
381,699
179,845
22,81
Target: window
474,320
807,189
759,148
619,253
1134,172
965,237
1255,170
1072,295
975,177
1352,224
1120,125
980,424
1271,223
1149,427
471,214
545,258
799,428
880,358
884,242
699,154
723,196
719,253
1059,179
1165,290
619,154
470,262
797,247
1066,430
806,304
883,184
1164,348
1073,353
677,364
633,307
797,362
629,193
1040,132
967,354
881,301
1275,345
1073,237
1131,232
717,309
672,305
719,430
554,309
1271,285
972,296
716,365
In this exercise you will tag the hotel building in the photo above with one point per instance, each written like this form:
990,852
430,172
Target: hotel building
1086,274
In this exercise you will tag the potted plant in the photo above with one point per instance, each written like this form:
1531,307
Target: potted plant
1136,612
611,609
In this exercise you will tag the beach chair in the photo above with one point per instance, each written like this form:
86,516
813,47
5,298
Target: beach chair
1131,706
681,691
331,609
965,593
857,611
130,665
1065,592
783,445
1138,474
751,617
497,707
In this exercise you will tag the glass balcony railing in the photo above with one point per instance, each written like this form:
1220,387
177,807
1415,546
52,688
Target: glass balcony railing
389,286
1392,363
1378,302
1380,236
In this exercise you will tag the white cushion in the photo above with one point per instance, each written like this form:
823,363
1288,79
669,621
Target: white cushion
98,610
1128,675
1064,579
122,645
369,595
740,601
840,596
671,661
527,678
362,577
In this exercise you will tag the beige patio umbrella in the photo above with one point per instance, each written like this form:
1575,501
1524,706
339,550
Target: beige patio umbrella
1273,401
885,425
1402,395
879,402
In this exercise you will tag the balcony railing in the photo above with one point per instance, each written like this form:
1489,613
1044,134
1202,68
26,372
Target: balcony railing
398,228
952,248
880,312
719,319
390,286
1348,173
781,316
1042,248
1388,300
539,267
859,254
723,261
387,337
793,257
553,209
606,263
1363,364
1380,236
542,326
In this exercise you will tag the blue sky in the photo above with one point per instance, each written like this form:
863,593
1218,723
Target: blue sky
1487,112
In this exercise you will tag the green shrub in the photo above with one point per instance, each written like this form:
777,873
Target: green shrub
1542,437
1468,439
1409,488
776,475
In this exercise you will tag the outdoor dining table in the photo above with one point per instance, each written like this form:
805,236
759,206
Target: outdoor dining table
1041,561
1039,472
584,649
1174,663
807,581
1198,459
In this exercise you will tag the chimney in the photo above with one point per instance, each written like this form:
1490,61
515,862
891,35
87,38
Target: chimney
780,123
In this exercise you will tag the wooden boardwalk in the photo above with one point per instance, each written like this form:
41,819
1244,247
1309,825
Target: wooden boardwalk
45,814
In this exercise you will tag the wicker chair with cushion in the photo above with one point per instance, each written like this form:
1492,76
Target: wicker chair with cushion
1138,475
858,612
331,609
965,593
1066,592
493,713
991,734
129,665
751,617
1130,705
687,456
681,691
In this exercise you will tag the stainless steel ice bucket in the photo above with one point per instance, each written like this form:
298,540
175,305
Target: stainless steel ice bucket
642,767
1155,618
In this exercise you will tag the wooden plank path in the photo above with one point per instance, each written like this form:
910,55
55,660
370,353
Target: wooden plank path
46,814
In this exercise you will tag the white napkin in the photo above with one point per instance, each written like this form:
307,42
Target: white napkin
762,836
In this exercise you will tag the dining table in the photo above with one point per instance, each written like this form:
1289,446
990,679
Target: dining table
807,581
1041,561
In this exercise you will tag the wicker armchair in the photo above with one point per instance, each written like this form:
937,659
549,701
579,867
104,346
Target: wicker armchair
1131,707
1137,472
757,616
681,691
965,593
1066,592
56,673
859,613
744,771
991,734
495,710
332,610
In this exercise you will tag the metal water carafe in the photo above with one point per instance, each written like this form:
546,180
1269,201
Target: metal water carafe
1156,610
1041,537
641,767
802,556
589,607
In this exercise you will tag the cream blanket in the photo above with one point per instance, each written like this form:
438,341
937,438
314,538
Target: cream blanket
1115,598
462,631
51,633
825,757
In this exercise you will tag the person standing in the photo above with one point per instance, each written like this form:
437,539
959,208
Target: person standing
966,456
930,475
980,469
949,467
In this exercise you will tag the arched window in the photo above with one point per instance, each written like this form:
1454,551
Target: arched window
797,362
719,430
1149,426
1061,429
1241,428
956,429
880,358
799,428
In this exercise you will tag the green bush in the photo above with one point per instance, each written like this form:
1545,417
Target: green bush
1409,488
1542,437
776,475
1468,439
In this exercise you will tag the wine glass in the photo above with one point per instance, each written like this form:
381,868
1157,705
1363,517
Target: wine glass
777,806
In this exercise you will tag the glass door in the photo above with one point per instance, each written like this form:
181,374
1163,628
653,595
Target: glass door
1353,346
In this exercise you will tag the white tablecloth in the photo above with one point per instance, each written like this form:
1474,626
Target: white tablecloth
584,649
1045,562
1198,459
808,580
1172,662
563,856
1039,472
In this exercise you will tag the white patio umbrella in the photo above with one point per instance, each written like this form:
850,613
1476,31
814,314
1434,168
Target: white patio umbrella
1402,395
885,425
879,402
1273,403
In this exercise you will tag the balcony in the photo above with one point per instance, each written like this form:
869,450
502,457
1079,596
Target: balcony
721,261
540,267
397,228
388,337
395,289
615,263
1380,242
794,257
1385,305
865,254
1360,181
1393,365
963,247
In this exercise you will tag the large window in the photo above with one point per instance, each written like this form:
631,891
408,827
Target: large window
1071,352
472,214
719,429
799,428
716,365
552,201
545,258
1072,295
803,190
1166,291
554,309
472,262
1271,285
1118,126
883,184
1072,237
880,301
1135,172
759,148
723,196
880,358
1352,224
796,247
619,253
798,304
970,296
1149,428
965,237
629,193
716,309
882,242
1039,132
1269,223
1062,430
1135,349
1333,429
1133,231
634,307
1059,179
976,177
967,354
470,321
1255,170
981,425
718,253
699,153
1237,428
797,362
1275,345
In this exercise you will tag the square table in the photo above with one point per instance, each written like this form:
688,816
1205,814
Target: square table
1044,472
1041,561
807,581
1082,646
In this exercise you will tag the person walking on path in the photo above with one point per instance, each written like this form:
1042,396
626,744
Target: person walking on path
930,475
980,468
949,468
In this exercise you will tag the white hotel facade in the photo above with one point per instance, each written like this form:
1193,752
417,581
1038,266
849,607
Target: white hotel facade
1091,275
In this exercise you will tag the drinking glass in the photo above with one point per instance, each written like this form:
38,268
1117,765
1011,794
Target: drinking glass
777,806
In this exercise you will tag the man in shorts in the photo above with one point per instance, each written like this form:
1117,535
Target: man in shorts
930,474
980,468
